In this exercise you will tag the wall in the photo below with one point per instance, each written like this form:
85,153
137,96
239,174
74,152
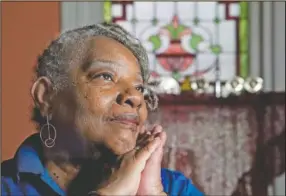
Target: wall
76,14
267,43
27,28
267,55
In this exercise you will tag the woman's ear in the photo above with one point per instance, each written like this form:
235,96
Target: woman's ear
42,92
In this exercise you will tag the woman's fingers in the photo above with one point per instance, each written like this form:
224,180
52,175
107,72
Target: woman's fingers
144,153
125,178
163,137
143,137
148,136
156,129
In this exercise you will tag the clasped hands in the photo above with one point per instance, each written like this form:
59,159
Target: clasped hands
139,172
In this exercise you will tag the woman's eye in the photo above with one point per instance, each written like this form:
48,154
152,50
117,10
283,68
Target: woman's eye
104,76
140,89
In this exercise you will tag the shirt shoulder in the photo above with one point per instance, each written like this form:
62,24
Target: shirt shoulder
175,183
11,184
8,178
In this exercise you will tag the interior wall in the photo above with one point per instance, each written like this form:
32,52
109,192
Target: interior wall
27,28
267,55
77,14
267,43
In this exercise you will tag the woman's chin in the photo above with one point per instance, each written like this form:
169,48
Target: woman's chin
121,148
121,144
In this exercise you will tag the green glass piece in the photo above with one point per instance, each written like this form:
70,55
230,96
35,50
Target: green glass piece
196,21
217,20
156,41
195,41
244,40
175,31
216,49
107,11
176,75
155,21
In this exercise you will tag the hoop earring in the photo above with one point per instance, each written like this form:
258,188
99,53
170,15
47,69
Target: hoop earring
49,142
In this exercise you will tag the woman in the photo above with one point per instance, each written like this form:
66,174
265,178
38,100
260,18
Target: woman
91,92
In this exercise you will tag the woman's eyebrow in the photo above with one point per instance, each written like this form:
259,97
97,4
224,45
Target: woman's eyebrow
102,63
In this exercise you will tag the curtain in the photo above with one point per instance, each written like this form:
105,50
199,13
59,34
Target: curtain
231,146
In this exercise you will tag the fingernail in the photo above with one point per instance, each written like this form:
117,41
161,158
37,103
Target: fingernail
158,128
157,139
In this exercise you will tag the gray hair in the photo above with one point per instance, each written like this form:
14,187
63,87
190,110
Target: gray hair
59,56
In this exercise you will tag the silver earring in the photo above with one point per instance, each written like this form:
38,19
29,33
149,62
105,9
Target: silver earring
50,136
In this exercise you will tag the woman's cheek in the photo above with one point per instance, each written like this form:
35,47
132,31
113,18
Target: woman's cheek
100,100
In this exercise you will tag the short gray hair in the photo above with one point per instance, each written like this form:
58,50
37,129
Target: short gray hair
57,57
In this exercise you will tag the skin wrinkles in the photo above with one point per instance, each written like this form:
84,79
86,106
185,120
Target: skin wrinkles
100,96
115,67
83,111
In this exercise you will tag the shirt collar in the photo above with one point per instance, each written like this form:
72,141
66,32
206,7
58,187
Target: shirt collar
29,159
29,156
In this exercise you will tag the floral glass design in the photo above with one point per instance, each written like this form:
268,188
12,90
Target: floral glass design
205,40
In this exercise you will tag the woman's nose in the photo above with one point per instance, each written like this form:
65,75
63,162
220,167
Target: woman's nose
131,98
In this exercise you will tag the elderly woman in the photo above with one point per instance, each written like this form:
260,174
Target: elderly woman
92,95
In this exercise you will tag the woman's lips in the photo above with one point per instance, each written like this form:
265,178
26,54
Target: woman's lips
126,120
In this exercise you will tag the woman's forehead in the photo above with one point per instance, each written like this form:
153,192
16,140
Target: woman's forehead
110,50
104,52
116,66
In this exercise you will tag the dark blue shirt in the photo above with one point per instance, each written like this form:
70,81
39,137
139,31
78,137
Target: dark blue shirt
26,175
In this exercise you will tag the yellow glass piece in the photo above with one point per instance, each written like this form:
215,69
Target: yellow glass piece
186,84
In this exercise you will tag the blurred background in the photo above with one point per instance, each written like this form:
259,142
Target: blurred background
222,71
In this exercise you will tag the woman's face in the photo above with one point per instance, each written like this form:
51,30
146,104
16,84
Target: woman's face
107,103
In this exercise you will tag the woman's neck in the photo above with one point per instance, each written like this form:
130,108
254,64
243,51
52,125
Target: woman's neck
79,175
62,173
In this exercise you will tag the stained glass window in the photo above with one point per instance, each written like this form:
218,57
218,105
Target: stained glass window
197,39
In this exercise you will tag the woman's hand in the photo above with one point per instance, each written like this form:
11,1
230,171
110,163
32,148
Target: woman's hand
125,180
151,183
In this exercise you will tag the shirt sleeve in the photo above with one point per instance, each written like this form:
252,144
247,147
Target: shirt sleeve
175,183
4,188
190,189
